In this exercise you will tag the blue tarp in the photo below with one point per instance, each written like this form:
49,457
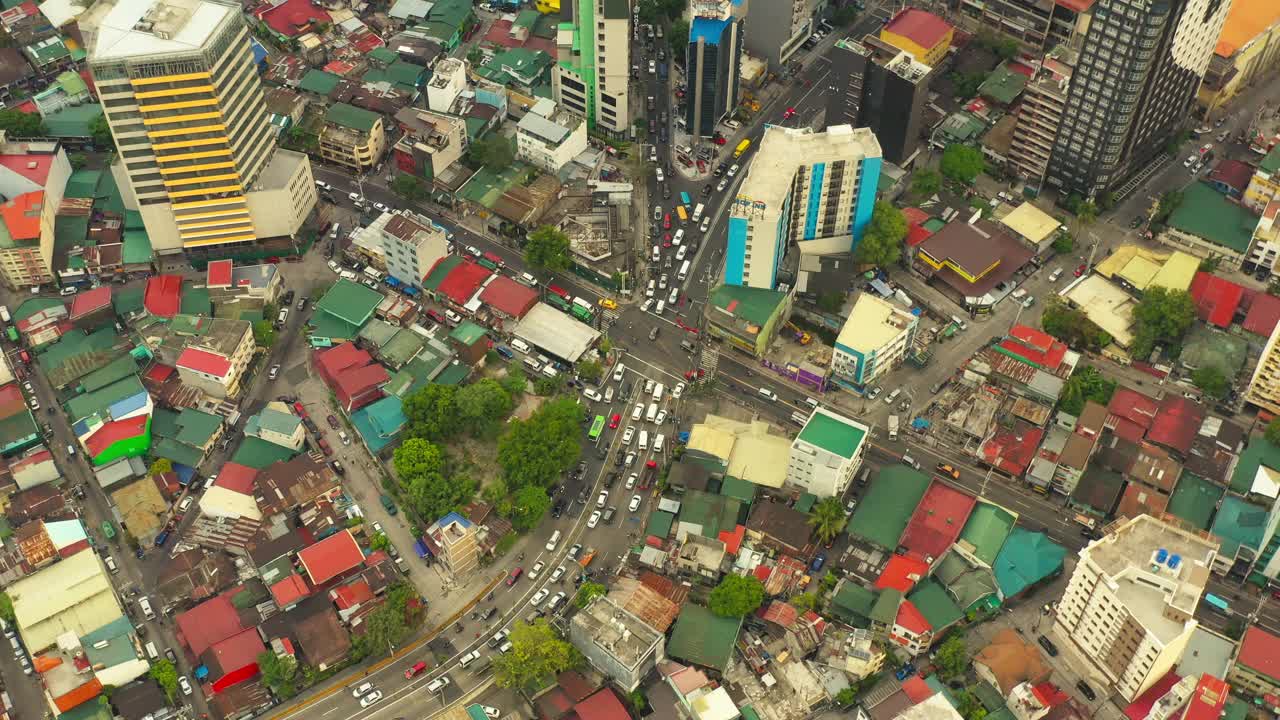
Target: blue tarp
879,286
184,474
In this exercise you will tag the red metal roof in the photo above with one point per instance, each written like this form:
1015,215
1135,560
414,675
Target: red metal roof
207,624
354,382
290,590
1048,694
32,166
902,573
90,300
463,281
22,215
1176,423
1209,699
203,361
237,656
80,695
779,613
1232,173
915,216
603,705
917,234
291,17
333,361
1264,314
159,372
1012,450
733,539
937,521
219,273
112,432
1260,652
351,594
237,477
163,296
1216,298
1035,347
1075,5
1133,406
331,557
1138,709
923,28
910,618
508,296
916,689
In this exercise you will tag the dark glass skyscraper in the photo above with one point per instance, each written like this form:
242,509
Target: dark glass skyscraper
714,62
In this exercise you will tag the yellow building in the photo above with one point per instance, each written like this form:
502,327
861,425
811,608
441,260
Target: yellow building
923,34
352,137
1264,186
1247,49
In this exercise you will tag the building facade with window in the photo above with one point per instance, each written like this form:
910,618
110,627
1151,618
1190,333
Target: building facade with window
874,84
591,77
713,63
827,453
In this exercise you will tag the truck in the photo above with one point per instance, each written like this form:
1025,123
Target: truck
388,504
893,427
742,148
649,475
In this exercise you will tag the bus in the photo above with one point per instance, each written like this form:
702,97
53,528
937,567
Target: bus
1217,603
557,302
597,427
742,147
583,314
684,199
684,216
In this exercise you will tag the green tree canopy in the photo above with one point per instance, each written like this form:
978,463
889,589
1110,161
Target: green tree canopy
494,152
1272,434
166,676
588,592
962,163
264,333
546,248
482,406
679,40
432,412
952,657
1064,243
279,673
827,520
1163,316
160,466
418,457
410,188
926,182
1086,383
590,370
537,655
390,625
1072,327
101,132
536,451
6,607
20,124
528,506
736,595
514,382
425,485
882,240
1212,381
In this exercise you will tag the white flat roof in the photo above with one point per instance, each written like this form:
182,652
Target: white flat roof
549,329
175,26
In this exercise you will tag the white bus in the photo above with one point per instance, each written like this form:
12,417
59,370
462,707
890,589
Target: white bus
684,270
697,212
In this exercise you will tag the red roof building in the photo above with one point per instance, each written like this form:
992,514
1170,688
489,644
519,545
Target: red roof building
1035,347
159,372
916,689
351,595
1216,298
921,27
207,624
1011,450
463,282
911,619
332,362
1141,707
335,555
1048,694
204,362
1176,423
1208,700
1264,314
163,296
508,297
937,521
902,573
237,478
360,386
234,660
1130,413
779,612
218,274
290,590
90,301
31,166
1231,177
1260,652
110,433
603,705
292,18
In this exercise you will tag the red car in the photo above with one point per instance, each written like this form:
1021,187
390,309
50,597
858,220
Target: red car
514,576
666,221
613,421
435,316
702,166
720,140
690,375
559,291
417,668
666,240
324,446
789,113
1080,270
297,407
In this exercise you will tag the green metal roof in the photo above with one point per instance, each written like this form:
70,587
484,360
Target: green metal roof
319,82
453,375
97,402
1003,85
853,603
1026,559
467,333
382,54
1208,214
179,453
1194,499
260,454
83,183
755,305
744,491
350,302
129,299
986,530
113,371
830,434
73,120
69,231
887,507
272,420
440,272
935,604
1239,523
703,638
352,117
659,524
885,608
1259,453
1271,163
195,300
196,427
712,513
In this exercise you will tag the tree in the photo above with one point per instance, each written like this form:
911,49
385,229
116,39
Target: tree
547,249
416,456
831,302
1085,384
548,386
1272,434
482,406
494,152
952,657
6,607
969,706
380,542
882,240
1072,326
804,602
604,346
264,333
529,505
962,163
279,673
390,625
20,124
846,697
160,467
590,370
514,383
588,592
431,412
926,182
77,160
844,16
1210,264
163,672
101,132
1064,243
536,451
736,596
424,485
537,655
965,85
679,36
1168,203
410,188
1003,46
827,520
1212,381
1162,316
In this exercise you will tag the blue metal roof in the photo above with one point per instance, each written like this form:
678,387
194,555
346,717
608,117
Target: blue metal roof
708,29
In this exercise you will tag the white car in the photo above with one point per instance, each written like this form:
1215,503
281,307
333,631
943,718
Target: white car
537,568
603,499
185,684
617,372
661,418
491,711
69,290
1053,276
653,67
377,528
677,391
635,503
441,683
631,481
637,413
539,596
362,689
334,266
274,372
631,460
475,251
353,196
733,170
628,434
371,698
381,208
557,573
724,183
594,520
573,551
675,293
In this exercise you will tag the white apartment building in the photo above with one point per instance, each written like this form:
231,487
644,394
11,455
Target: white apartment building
873,341
1128,611
185,106
548,138
411,244
1264,246
827,453
592,77
448,82
815,188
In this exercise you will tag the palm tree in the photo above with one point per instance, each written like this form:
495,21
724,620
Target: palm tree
827,520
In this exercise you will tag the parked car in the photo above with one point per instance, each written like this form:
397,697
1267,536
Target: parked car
1048,646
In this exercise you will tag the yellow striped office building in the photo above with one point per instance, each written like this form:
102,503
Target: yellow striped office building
197,154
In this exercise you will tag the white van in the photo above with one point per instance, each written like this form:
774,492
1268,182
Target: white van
767,394
684,270
151,651
145,604
697,212
888,400
110,562
282,317
652,412
678,237
648,291
657,442
662,305
452,318
532,364
657,392
608,394
644,439
549,371
527,279
959,323
555,540
681,252
519,345
347,275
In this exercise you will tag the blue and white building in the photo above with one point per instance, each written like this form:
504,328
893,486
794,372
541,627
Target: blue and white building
813,189
874,340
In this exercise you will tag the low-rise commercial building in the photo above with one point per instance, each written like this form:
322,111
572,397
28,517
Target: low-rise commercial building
431,141
873,341
1248,50
352,137
211,354
411,244
921,33
452,539
549,138
747,318
618,644
827,453
1256,670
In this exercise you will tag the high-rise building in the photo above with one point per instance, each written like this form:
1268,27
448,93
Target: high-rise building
592,75
1044,102
1128,611
801,186
777,28
1038,24
1140,65
713,63
876,85
182,97
827,453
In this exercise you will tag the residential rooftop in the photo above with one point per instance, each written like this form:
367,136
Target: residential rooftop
139,28
873,323
835,434
622,635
